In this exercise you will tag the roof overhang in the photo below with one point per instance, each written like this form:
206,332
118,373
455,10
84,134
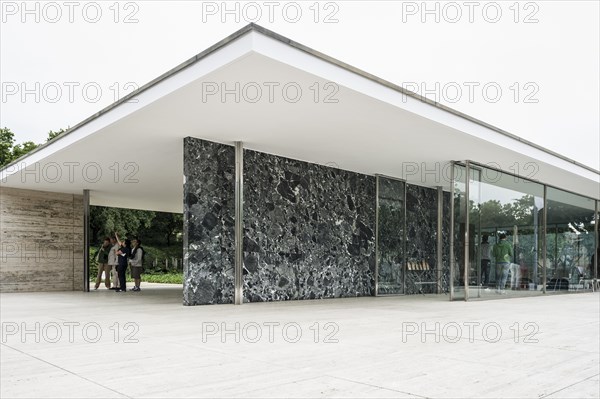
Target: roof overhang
344,118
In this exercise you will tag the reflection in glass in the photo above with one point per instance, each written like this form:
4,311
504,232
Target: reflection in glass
501,203
551,232
422,275
457,259
570,241
391,222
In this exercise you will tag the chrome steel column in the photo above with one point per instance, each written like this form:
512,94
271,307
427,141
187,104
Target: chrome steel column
376,235
440,216
86,240
404,239
239,223
544,231
467,232
597,230
451,279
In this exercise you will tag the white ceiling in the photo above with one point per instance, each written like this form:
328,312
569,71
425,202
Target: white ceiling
372,129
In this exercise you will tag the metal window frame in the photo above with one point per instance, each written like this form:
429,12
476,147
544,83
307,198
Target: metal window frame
467,230
544,238
377,189
524,178
452,260
86,239
597,230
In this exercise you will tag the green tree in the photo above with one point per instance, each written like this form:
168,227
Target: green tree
165,229
53,134
7,140
9,151
491,214
494,214
106,221
21,149
521,210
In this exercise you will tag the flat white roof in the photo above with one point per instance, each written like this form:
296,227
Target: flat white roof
280,97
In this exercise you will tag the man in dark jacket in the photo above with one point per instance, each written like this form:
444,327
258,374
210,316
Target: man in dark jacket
123,254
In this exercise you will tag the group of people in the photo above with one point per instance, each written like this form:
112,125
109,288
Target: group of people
502,252
113,257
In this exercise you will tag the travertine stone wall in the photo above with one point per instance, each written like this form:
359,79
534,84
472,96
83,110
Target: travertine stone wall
41,241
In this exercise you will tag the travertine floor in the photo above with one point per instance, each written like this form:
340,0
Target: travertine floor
417,346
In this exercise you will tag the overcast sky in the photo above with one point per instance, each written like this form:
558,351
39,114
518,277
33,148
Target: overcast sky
531,68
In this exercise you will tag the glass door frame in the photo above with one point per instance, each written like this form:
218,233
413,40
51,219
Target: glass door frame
465,244
377,179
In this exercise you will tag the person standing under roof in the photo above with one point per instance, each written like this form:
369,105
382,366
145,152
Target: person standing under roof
502,253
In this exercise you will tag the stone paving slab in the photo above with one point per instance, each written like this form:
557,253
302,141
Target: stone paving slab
104,344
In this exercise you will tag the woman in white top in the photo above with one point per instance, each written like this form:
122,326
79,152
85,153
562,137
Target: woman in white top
113,261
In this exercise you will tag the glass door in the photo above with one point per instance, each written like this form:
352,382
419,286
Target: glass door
458,234
391,238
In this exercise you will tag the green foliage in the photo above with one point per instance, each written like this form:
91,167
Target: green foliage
7,139
162,252
21,149
9,151
153,228
104,222
52,134
167,278
493,214
166,229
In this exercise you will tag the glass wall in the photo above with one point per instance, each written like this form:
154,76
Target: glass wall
391,225
422,273
570,241
458,231
505,234
516,237
407,239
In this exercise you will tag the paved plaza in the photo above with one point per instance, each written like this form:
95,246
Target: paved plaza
147,345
